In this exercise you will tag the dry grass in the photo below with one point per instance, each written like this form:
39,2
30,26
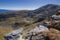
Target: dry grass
4,31
53,34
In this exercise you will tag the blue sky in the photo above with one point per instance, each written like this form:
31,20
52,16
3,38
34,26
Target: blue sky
25,4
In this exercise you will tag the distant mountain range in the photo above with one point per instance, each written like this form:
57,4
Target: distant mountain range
44,11
3,10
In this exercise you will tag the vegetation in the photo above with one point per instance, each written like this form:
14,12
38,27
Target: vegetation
28,19
4,31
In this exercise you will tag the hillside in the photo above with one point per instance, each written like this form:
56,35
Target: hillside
4,31
45,11
29,19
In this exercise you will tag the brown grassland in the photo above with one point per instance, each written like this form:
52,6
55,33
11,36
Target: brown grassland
4,31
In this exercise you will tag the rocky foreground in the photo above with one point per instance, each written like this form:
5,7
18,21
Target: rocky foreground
49,29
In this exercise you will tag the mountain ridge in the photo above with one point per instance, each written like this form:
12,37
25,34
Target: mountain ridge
45,11
5,10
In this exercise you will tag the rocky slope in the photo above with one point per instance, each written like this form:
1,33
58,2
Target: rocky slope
45,11
28,19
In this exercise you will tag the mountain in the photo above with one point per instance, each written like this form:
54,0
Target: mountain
47,9
44,11
3,10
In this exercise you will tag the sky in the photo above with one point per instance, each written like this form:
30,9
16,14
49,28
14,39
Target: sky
25,4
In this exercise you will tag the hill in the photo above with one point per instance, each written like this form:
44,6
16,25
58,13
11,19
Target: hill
45,11
27,19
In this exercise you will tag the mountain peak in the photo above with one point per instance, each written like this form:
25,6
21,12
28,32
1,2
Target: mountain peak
48,7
